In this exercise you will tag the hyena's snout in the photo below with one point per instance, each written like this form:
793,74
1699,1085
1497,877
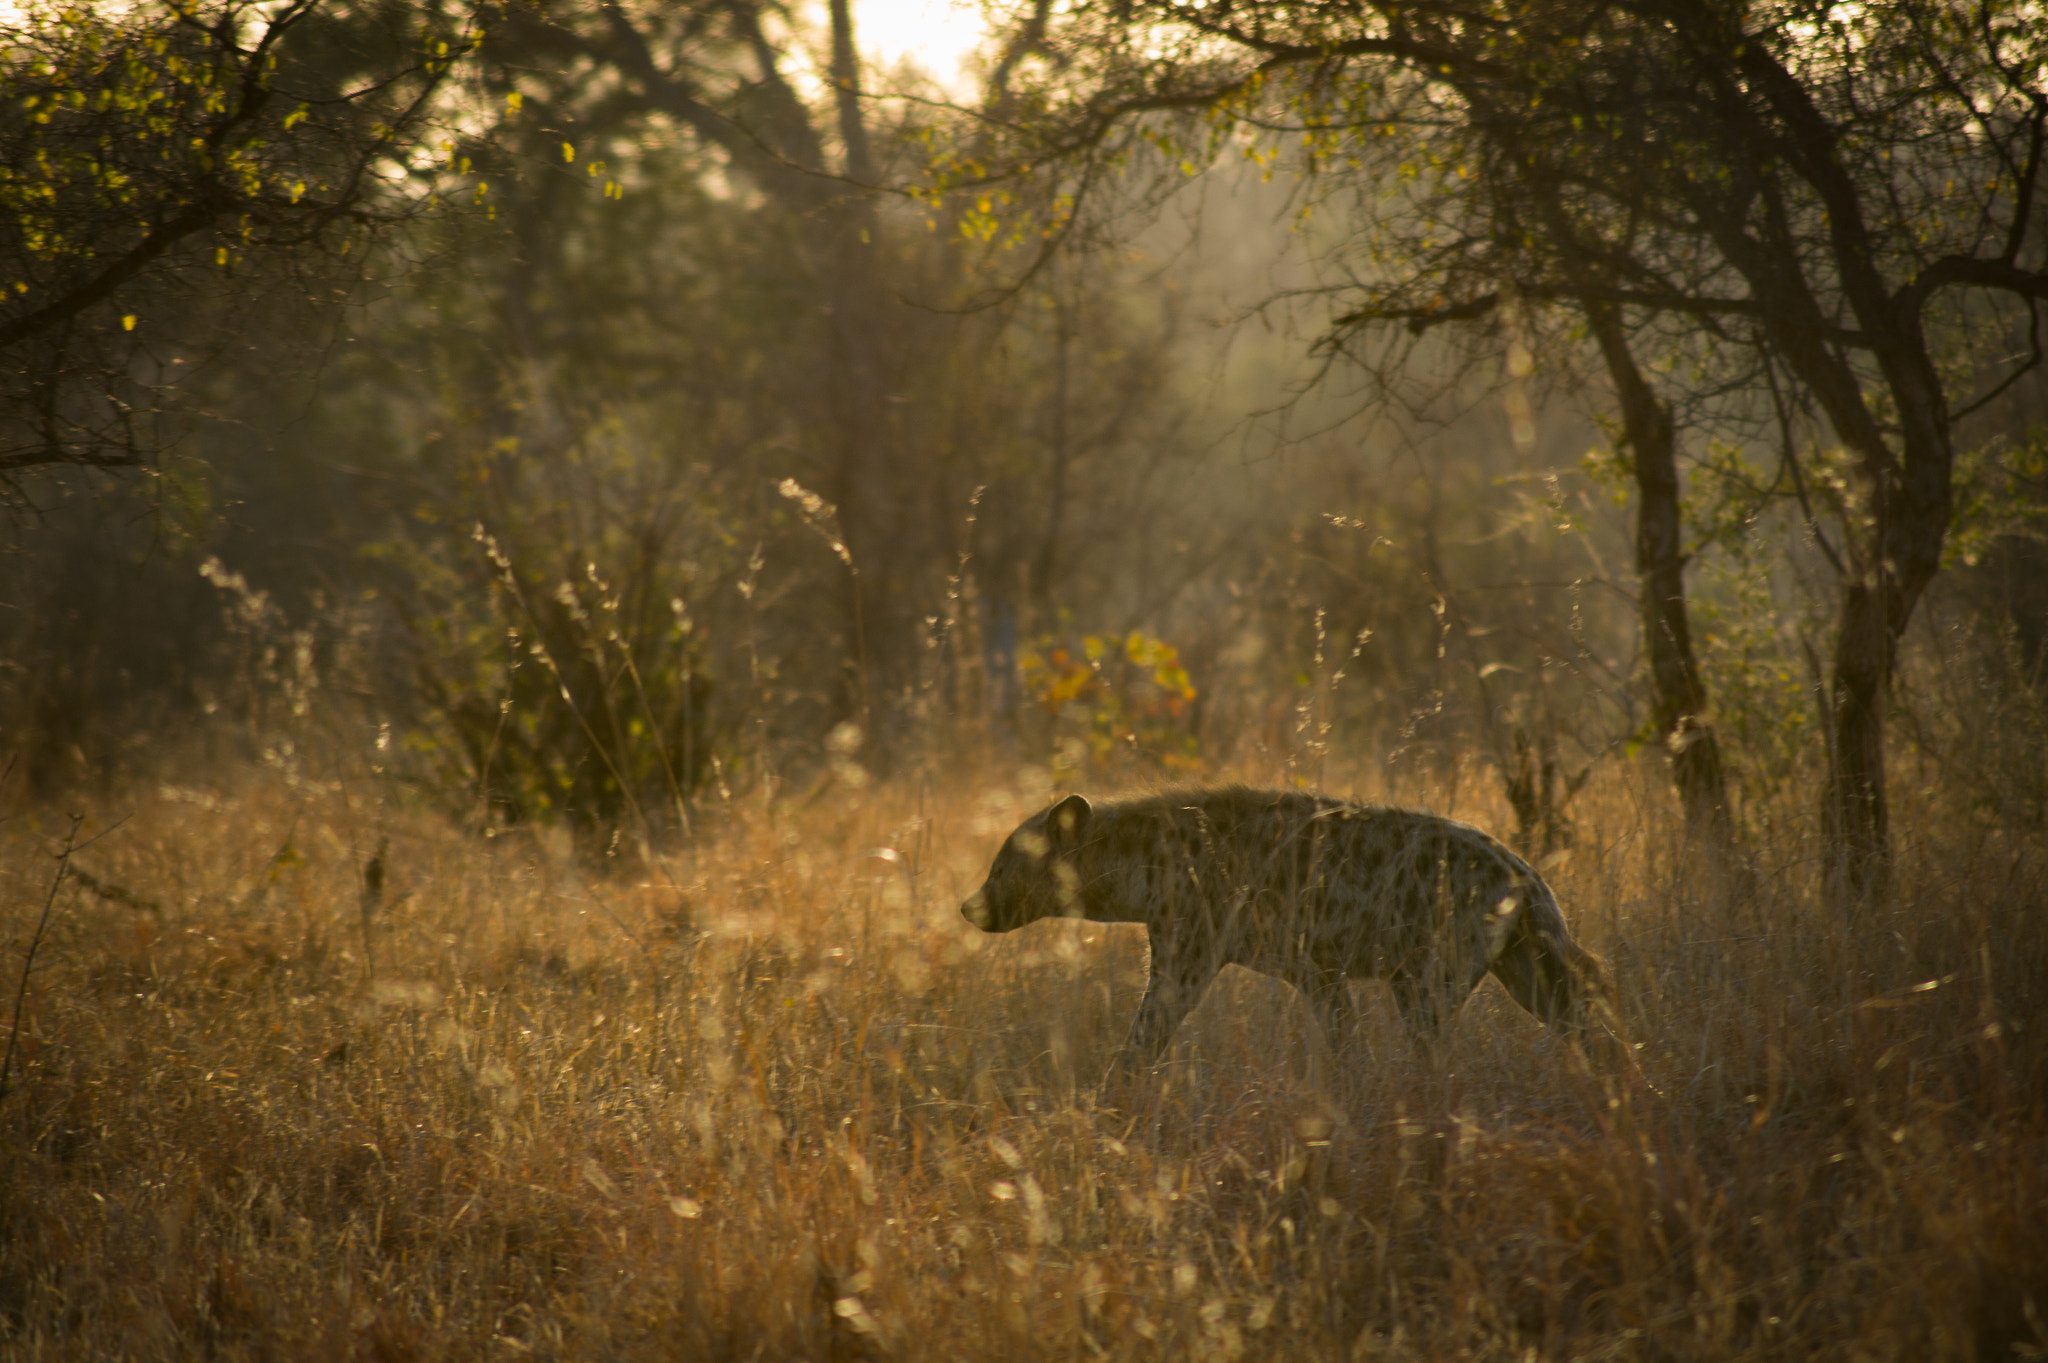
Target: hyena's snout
975,910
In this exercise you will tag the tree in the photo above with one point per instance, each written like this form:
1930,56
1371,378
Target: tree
887,393
616,376
1798,199
153,154
720,75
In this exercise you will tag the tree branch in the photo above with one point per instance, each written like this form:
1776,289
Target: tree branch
1422,319
1971,272
853,129
101,286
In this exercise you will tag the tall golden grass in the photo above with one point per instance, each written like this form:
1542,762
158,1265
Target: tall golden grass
781,1102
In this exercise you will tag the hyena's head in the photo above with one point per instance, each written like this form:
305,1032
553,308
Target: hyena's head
1034,876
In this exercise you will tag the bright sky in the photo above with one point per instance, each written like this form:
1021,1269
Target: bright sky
938,34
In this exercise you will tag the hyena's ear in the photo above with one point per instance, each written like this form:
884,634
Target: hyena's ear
1066,823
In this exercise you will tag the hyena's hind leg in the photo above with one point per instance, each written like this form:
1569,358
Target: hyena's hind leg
1570,989
1553,977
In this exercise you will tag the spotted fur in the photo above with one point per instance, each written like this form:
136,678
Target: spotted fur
1312,890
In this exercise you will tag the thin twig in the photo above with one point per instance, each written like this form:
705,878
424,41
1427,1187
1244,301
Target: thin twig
29,961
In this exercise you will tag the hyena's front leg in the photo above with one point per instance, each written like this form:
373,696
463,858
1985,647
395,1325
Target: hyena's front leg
1426,999
1171,992
1329,992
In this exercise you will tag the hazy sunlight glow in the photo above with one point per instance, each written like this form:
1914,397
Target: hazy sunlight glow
938,35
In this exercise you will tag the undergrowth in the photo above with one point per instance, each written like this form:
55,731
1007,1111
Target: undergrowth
779,1101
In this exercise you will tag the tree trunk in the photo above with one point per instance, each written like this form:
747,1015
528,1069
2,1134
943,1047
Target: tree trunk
1679,696
1912,502
1857,818
1911,492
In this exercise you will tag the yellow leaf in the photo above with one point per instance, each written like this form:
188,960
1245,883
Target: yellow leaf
128,322
513,101
568,152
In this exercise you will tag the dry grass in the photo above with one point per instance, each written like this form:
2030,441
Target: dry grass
793,1107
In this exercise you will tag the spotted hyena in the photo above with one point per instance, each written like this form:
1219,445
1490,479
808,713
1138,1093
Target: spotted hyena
1310,889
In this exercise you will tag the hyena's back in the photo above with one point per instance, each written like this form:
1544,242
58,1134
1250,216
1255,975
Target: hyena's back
1307,888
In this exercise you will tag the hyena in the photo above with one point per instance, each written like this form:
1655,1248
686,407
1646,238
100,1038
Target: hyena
1313,890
